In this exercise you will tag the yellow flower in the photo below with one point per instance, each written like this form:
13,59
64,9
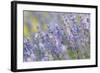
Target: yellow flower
45,27
34,25
26,30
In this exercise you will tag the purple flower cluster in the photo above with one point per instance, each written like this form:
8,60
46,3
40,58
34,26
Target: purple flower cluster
67,37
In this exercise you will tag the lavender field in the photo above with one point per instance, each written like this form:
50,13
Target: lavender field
50,36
